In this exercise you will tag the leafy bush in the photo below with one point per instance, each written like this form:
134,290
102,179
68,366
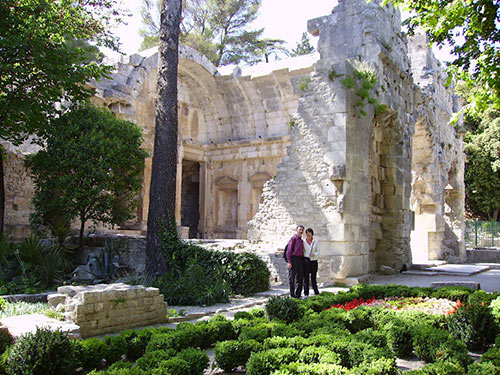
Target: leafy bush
453,293
382,366
297,342
483,368
285,309
492,356
360,318
196,359
197,276
114,348
320,354
264,363
431,343
299,368
473,324
6,340
152,358
439,368
173,366
373,337
400,337
495,308
283,330
41,353
232,354
243,315
3,303
136,342
259,332
89,353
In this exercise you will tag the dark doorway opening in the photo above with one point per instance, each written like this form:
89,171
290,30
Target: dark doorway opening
190,198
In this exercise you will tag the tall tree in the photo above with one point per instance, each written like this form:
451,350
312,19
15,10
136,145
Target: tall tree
304,47
164,168
482,169
217,28
90,167
471,28
40,64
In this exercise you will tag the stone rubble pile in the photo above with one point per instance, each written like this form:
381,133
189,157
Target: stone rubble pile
106,308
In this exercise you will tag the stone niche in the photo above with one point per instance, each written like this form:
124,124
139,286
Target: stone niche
107,308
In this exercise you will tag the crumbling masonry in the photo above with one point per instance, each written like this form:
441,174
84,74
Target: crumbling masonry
264,148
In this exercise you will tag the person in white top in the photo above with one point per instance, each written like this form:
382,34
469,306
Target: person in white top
311,252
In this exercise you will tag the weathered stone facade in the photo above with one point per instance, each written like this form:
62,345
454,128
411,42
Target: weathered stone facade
264,148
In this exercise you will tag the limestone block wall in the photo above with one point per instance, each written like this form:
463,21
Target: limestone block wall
349,175
18,190
438,163
106,308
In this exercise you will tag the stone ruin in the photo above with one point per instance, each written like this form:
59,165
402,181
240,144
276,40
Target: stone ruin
103,308
264,148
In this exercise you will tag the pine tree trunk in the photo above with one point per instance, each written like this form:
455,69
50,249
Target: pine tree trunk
164,168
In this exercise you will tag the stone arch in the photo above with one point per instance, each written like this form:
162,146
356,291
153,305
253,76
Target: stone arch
388,156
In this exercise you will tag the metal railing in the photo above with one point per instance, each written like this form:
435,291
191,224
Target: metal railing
482,234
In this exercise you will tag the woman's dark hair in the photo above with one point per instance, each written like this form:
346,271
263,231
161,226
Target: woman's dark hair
310,231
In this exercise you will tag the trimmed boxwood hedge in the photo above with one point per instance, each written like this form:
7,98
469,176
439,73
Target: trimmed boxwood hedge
364,341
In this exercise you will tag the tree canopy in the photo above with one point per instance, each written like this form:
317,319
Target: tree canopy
90,167
220,29
482,170
42,62
304,47
471,28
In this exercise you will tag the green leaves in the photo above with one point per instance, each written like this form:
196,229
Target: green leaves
91,167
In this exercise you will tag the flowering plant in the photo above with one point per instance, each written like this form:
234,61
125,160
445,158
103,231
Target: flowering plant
423,304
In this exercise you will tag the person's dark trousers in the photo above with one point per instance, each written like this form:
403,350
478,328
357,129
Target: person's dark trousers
310,268
296,276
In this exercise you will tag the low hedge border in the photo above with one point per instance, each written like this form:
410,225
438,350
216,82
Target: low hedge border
364,341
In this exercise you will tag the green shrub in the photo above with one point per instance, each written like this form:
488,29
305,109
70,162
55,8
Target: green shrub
3,303
427,341
360,353
6,340
298,368
475,325
373,337
285,309
196,359
114,348
360,318
219,328
239,324
439,368
400,337
382,366
453,293
259,332
152,358
257,312
495,307
297,342
483,368
173,366
480,296
243,315
232,354
492,356
284,330
339,345
44,352
90,353
320,354
264,363
136,342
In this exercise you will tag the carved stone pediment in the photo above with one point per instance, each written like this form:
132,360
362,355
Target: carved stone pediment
258,179
226,183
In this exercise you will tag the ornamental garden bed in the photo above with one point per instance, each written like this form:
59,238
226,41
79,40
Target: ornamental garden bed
362,331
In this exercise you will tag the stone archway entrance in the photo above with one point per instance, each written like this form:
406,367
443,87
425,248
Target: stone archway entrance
190,197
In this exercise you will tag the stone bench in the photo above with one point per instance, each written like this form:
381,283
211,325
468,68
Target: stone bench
468,284
107,308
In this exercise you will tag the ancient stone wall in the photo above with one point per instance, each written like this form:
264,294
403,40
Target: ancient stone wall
348,174
107,308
